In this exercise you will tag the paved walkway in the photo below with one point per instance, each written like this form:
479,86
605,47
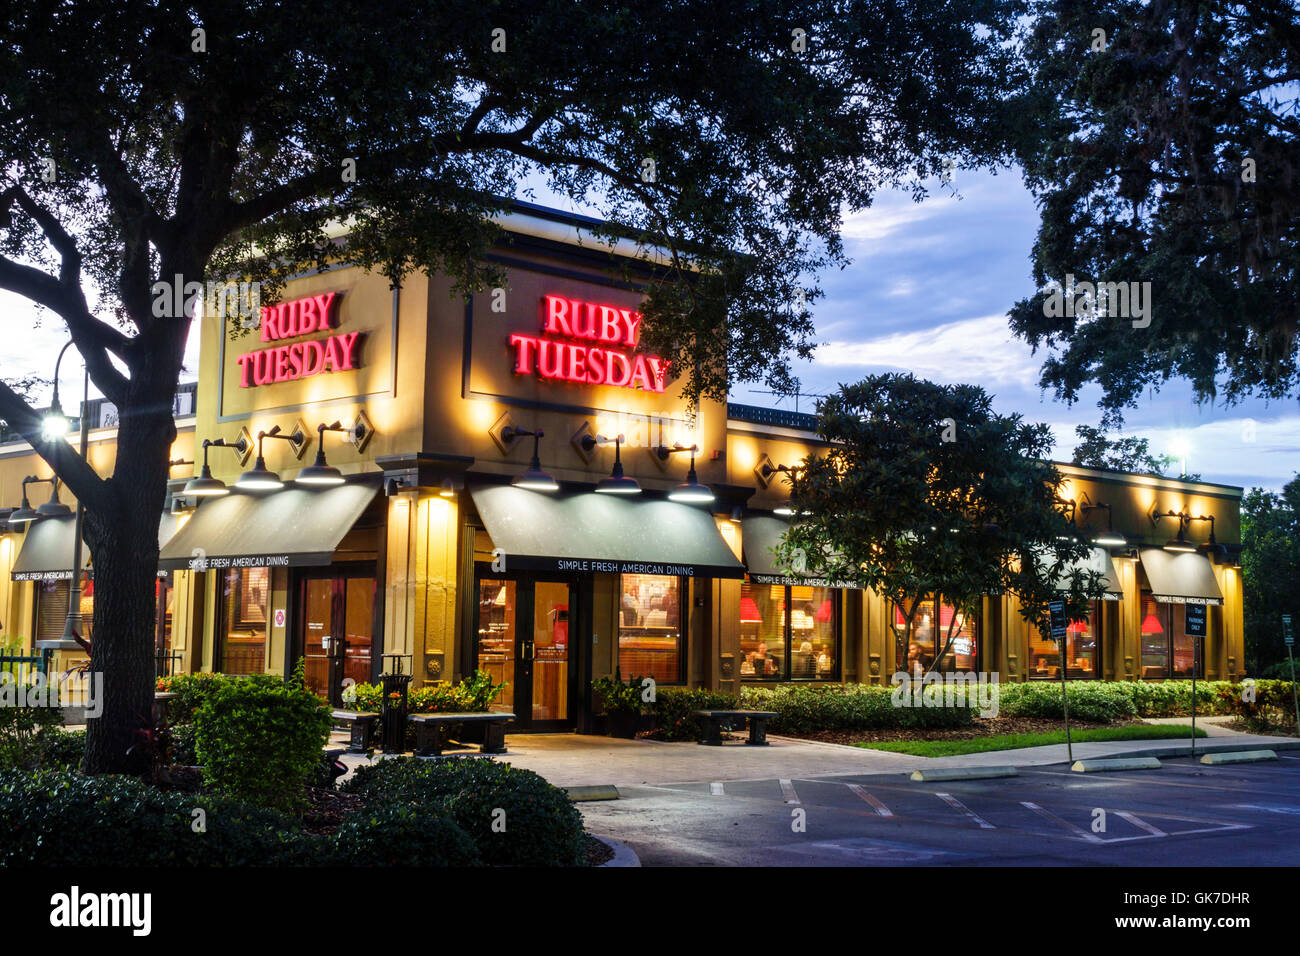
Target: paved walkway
570,760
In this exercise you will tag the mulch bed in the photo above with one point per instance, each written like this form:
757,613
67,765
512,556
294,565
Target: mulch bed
327,808
991,727
597,852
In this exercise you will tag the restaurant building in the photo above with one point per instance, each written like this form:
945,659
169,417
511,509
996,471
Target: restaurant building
440,486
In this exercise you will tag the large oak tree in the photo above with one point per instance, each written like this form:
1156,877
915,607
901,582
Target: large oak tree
145,141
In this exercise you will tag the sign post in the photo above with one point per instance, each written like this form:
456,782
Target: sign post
1288,638
1059,627
1194,627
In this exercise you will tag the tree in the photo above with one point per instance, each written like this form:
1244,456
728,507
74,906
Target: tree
925,489
1133,455
147,147
1270,568
1164,151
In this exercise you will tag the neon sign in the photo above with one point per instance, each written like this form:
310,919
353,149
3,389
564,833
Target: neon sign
581,362
285,363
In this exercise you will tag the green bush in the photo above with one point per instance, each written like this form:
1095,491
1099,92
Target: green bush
261,740
394,834
514,817
1271,710
806,709
674,710
616,697
1094,701
470,696
63,818
27,734
1172,698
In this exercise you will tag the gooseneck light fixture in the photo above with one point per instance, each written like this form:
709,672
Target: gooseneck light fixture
616,483
1110,538
54,424
690,491
25,512
259,477
205,486
1178,544
533,478
321,472
1212,548
768,470
54,508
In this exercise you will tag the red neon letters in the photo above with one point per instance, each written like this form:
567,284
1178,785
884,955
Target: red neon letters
588,364
284,363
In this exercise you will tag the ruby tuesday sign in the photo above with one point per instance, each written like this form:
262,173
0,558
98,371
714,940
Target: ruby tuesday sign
583,342
299,359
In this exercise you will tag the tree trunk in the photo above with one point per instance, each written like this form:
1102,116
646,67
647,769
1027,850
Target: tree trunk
123,542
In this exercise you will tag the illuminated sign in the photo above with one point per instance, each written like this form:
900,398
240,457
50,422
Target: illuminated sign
588,349
284,363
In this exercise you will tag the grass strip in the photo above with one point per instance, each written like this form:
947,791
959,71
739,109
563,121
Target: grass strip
951,748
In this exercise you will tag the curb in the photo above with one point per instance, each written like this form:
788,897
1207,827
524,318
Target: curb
1103,764
1185,750
604,791
937,774
1238,756
623,854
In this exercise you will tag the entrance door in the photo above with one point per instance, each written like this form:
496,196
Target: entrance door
523,638
335,635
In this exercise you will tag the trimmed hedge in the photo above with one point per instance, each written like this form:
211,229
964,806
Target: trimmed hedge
806,709
1269,709
674,709
64,818
470,696
394,834
513,816
1090,701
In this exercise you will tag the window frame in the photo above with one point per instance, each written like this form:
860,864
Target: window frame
679,679
837,605
974,625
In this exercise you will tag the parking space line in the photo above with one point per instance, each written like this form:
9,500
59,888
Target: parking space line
958,805
881,809
1052,817
787,790
715,789
1140,823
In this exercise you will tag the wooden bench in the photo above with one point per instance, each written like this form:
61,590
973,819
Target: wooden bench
360,725
431,731
713,725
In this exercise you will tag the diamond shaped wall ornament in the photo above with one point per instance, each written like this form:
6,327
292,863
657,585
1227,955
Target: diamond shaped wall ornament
584,431
499,426
300,438
764,470
249,446
361,431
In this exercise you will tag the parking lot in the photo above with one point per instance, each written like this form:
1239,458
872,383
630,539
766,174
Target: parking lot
1182,814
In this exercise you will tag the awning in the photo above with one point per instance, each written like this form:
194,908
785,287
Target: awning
1099,560
760,536
47,551
291,528
1182,578
606,533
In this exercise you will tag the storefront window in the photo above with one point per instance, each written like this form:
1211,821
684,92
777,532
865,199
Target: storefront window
650,633
936,626
52,608
1082,650
1167,651
245,595
496,638
800,645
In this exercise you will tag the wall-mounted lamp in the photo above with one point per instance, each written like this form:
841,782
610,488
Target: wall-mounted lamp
615,483
205,486
1179,544
690,491
259,477
53,508
320,472
1110,538
767,470
533,478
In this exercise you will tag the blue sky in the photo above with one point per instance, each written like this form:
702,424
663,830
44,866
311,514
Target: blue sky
927,291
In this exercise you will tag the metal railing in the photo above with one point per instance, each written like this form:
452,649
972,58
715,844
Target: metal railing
23,666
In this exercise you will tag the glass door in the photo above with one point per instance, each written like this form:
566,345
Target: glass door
523,639
337,617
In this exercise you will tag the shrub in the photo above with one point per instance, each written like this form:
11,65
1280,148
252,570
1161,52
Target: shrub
470,696
674,710
1271,710
261,741
514,817
63,818
26,733
395,834
806,709
616,697
1094,701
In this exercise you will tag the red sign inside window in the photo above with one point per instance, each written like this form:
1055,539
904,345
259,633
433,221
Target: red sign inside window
285,363
585,342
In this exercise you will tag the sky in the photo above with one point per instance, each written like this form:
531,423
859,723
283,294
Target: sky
927,291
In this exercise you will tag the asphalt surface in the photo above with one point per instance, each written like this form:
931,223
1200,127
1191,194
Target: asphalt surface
1184,814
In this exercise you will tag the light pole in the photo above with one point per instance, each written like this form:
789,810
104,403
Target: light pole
55,428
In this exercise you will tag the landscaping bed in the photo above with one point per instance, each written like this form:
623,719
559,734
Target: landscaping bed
980,728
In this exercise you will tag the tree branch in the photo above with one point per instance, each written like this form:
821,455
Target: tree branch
90,489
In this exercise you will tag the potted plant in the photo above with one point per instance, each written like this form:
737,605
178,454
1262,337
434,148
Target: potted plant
621,703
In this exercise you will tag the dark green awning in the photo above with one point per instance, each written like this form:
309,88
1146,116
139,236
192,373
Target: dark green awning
760,535
606,533
1099,560
294,527
1182,578
47,551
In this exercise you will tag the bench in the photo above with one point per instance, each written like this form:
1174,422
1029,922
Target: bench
713,725
431,731
360,725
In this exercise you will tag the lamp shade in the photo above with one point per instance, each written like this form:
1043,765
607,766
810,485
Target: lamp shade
899,620
824,613
1077,627
1151,625
749,611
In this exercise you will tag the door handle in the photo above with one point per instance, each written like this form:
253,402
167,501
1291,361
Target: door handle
529,651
